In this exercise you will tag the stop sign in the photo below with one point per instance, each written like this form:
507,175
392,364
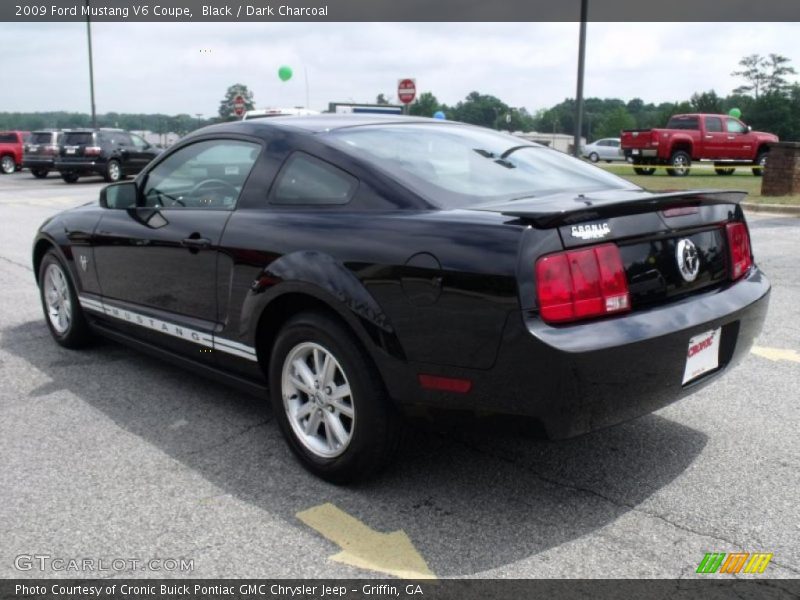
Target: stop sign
238,105
406,90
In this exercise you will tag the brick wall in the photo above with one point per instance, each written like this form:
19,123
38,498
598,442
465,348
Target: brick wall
782,175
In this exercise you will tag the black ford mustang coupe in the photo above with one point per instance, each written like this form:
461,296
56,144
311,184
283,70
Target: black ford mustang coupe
352,267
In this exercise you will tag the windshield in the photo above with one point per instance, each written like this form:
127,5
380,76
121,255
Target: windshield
459,166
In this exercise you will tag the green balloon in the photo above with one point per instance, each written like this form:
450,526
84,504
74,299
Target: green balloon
735,113
285,73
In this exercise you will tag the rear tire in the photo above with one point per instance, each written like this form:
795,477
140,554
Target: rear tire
113,172
761,161
7,164
339,422
69,177
39,173
644,170
62,311
680,163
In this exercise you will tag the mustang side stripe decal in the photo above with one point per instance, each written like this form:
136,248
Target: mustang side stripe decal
169,328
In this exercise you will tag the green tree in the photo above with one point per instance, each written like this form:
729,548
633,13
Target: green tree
778,67
381,99
226,112
706,102
425,105
479,109
614,121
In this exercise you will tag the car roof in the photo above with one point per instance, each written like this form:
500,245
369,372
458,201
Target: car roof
316,123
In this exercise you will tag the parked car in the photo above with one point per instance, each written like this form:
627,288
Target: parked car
352,267
40,151
722,139
607,149
111,153
11,143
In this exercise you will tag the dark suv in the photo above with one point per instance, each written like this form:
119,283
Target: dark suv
112,153
40,151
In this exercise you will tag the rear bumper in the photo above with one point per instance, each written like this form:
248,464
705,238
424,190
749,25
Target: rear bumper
37,163
633,153
578,378
79,166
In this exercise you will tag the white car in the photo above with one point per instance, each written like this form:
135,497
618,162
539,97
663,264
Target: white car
606,149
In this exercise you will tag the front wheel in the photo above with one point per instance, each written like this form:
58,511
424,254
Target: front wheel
594,157
680,162
761,161
329,400
8,165
62,310
39,173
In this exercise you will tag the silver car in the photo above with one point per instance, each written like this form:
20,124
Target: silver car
606,149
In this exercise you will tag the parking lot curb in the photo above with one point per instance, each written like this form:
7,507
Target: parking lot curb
784,209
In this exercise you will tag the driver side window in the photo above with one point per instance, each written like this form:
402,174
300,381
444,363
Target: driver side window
207,174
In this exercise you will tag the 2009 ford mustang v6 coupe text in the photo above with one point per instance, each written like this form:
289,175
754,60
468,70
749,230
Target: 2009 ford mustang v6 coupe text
352,267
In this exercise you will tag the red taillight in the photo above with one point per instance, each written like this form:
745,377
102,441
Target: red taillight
738,249
92,151
580,284
50,150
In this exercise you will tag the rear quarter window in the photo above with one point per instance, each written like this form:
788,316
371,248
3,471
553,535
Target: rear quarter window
305,180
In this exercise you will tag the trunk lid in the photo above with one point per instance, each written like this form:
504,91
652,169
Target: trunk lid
654,232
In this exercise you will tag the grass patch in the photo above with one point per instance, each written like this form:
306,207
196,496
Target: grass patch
703,178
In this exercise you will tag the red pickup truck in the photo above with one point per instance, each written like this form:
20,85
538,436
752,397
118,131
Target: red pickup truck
11,143
722,139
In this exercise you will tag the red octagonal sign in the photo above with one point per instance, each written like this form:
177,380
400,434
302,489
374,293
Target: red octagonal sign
406,90
238,105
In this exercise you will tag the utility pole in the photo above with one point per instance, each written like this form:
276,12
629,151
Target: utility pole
91,65
576,150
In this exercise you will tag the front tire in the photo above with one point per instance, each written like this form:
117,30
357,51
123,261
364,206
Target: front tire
329,400
39,173
594,157
761,161
62,311
680,163
8,165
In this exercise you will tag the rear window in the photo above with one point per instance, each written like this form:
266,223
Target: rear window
458,166
78,138
8,138
683,123
41,137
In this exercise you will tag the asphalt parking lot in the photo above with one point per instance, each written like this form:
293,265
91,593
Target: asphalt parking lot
108,454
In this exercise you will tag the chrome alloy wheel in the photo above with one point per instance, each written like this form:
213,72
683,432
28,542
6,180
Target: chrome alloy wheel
680,164
114,171
318,400
57,298
8,165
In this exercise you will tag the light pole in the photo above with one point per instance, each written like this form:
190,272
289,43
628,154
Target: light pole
576,150
91,65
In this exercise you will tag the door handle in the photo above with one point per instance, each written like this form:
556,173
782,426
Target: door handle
709,137
730,137
196,242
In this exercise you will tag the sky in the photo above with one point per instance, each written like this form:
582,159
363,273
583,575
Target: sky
186,67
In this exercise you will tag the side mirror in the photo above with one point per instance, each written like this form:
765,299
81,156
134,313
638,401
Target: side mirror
119,195
749,129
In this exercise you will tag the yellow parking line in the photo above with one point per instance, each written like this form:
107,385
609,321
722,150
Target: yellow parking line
362,547
776,354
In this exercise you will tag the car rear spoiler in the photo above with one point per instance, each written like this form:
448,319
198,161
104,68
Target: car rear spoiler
556,212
